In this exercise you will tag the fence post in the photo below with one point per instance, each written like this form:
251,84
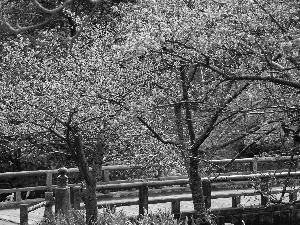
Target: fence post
236,201
264,186
175,209
253,164
106,179
293,196
206,185
49,181
159,173
18,196
143,200
75,197
62,193
106,175
23,214
48,207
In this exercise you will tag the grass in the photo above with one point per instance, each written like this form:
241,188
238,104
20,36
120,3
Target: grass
77,217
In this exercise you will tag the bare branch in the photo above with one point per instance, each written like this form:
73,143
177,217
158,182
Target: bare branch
53,131
245,148
20,29
155,134
52,11
220,169
235,139
271,79
70,116
73,38
280,68
199,140
49,113
282,29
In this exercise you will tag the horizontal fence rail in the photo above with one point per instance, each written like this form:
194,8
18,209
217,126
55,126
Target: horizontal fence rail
70,170
143,197
253,162
49,178
159,190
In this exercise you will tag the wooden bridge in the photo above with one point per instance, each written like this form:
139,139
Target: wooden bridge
233,186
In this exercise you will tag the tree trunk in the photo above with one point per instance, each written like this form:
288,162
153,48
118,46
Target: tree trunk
200,212
89,193
90,201
179,129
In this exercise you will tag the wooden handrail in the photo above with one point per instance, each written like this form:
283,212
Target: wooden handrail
65,198
49,175
126,167
245,177
106,170
259,159
129,185
70,170
240,177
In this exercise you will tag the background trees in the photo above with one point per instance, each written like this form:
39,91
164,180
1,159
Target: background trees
71,103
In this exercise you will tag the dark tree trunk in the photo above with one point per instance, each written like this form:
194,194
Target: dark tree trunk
90,200
193,166
200,212
89,193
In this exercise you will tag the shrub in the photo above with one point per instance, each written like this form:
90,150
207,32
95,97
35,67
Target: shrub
77,217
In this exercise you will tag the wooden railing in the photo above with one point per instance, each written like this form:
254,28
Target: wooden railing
148,191
65,199
62,200
145,195
25,209
253,165
49,178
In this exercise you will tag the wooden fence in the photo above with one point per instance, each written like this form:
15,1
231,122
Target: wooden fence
146,195
67,198
49,178
153,191
252,162
26,208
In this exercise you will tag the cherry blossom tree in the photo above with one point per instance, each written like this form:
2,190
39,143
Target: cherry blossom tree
192,73
197,59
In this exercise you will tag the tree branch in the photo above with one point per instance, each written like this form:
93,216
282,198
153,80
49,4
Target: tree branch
217,147
52,11
73,38
253,78
245,148
20,29
52,115
282,29
53,131
213,120
155,134
185,98
70,117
